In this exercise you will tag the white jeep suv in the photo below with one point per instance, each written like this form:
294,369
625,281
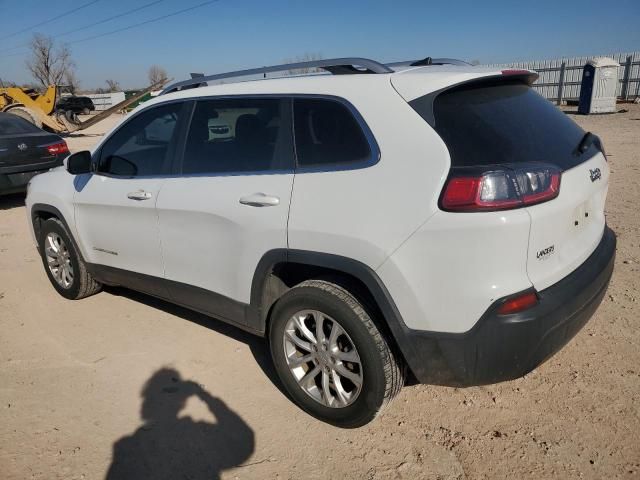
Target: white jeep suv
431,219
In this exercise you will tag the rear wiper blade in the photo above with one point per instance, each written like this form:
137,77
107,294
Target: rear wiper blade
587,140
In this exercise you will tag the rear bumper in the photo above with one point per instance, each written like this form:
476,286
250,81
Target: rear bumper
17,181
504,347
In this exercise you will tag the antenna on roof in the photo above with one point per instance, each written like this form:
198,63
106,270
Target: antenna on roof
423,62
427,62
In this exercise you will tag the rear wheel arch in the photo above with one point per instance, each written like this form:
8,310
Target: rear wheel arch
280,270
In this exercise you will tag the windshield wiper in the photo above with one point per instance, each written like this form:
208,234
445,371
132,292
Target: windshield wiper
588,139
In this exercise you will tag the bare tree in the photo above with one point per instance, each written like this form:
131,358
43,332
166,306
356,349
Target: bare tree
112,86
48,64
71,81
7,83
157,74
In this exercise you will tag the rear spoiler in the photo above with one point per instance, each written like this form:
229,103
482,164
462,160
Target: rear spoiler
425,102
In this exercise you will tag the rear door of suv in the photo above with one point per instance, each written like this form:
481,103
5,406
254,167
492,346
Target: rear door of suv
227,203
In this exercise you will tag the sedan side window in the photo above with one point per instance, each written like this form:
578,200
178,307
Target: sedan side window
240,135
141,147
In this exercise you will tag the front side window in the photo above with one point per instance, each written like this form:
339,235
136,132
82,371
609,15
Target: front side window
142,146
239,135
327,134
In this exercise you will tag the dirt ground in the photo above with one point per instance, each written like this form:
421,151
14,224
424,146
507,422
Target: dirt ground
88,387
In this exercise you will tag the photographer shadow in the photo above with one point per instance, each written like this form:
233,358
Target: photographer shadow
167,446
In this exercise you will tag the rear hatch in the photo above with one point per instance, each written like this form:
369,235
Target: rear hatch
565,231
24,147
501,124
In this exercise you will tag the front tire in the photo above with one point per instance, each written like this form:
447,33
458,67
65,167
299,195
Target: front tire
332,359
63,264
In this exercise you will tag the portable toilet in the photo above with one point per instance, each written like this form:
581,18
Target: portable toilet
599,84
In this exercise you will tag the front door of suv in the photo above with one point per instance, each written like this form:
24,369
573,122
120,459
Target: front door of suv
229,203
116,207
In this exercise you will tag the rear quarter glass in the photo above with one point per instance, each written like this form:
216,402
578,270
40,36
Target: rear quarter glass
497,123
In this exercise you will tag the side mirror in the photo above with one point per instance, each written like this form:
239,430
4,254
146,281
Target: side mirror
79,163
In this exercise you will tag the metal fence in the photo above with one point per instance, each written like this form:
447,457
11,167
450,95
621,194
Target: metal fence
560,78
103,101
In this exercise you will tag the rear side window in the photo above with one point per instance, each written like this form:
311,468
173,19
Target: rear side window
239,136
485,124
327,134
142,146
13,125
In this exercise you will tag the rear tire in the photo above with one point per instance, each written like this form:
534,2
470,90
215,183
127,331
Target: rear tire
63,264
347,380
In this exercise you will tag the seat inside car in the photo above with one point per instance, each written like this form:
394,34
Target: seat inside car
248,150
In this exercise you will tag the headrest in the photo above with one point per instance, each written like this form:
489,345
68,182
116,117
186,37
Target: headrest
199,130
249,129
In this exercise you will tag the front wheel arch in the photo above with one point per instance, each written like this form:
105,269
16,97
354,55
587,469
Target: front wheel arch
41,212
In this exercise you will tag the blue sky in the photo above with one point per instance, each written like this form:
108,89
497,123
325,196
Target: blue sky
232,34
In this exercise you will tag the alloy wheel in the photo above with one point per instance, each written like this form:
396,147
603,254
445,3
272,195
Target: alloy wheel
59,260
323,359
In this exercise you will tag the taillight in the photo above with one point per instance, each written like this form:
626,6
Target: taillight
57,148
500,189
519,303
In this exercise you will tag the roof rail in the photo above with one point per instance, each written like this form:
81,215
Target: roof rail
428,61
336,66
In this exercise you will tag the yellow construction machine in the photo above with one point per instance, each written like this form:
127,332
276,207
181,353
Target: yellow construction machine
40,109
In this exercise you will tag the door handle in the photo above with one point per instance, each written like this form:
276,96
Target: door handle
139,195
260,200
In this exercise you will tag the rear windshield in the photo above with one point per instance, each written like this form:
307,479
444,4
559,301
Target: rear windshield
13,125
485,124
